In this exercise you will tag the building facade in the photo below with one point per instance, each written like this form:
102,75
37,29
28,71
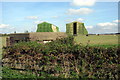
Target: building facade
40,37
76,28
4,41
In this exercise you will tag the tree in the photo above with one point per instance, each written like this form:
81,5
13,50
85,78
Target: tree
26,31
14,31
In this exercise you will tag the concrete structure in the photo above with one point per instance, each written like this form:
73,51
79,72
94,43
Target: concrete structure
17,37
76,28
46,32
40,37
47,27
4,41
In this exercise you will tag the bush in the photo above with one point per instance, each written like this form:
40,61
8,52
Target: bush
62,58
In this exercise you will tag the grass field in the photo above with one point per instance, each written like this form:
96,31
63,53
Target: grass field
97,40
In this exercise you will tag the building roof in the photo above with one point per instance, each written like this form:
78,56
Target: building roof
74,22
44,22
18,33
40,35
47,27
47,23
46,35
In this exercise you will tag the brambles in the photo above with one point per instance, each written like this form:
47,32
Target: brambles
64,59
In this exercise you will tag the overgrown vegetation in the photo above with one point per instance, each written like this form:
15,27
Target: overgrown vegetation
63,59
10,73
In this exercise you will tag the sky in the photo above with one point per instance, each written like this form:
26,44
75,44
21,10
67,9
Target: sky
98,17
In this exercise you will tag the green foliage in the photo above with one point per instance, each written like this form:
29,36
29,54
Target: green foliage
65,59
9,73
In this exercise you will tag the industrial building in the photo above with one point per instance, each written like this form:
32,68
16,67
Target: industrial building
47,27
46,32
76,28
40,37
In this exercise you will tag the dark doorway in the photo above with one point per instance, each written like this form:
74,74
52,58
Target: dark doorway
74,28
16,41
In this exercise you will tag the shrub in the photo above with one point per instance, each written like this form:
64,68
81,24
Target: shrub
62,58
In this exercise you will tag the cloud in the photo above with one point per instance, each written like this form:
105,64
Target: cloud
80,19
107,25
69,20
54,17
80,11
37,22
32,17
72,20
83,2
4,26
116,21
89,27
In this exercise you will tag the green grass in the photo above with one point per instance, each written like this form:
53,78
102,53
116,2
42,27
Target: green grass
19,74
106,45
94,40
9,73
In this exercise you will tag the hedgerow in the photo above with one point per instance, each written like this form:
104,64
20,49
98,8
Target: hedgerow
63,59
